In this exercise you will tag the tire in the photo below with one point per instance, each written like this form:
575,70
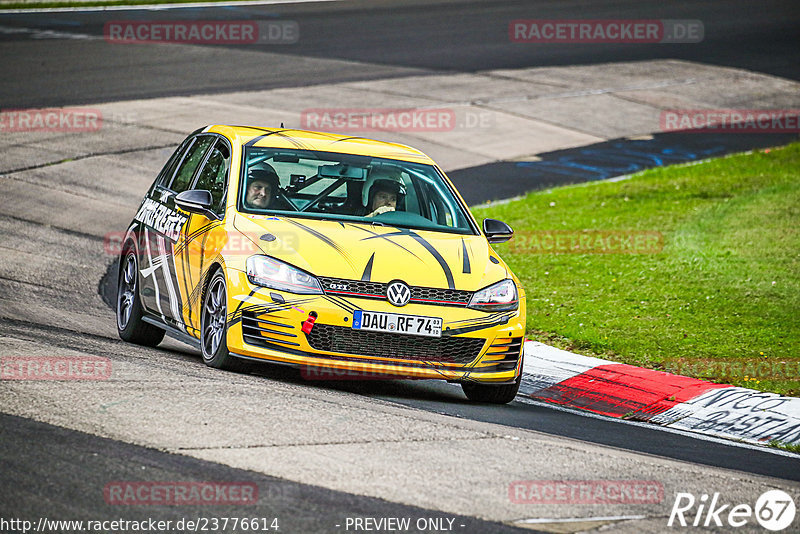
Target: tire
214,327
130,325
488,393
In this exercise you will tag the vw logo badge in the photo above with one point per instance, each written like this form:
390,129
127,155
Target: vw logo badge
398,293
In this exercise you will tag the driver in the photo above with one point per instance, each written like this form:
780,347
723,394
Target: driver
384,191
262,186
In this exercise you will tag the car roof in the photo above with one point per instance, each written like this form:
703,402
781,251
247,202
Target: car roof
318,141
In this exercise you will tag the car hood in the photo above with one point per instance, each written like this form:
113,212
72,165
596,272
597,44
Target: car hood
356,251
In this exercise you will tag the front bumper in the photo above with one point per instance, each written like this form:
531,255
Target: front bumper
475,346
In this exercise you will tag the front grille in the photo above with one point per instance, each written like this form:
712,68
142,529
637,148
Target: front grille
377,290
458,350
357,288
451,296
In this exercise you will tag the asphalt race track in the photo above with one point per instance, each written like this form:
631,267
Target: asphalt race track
72,488
322,453
365,40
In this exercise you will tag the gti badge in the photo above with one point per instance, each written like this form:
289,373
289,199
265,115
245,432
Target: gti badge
398,293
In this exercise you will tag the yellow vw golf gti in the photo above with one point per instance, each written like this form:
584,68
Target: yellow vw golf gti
326,252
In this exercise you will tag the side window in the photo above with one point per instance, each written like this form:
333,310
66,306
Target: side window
183,179
165,176
214,175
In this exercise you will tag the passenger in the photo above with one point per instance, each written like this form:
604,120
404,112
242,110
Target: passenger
262,186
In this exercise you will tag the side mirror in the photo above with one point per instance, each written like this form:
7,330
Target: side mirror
497,231
197,201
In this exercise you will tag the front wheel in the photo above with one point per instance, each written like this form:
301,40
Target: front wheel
503,394
214,327
130,325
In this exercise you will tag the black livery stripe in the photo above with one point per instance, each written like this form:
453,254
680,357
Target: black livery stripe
422,241
375,234
198,288
368,269
478,326
241,302
164,278
253,128
351,138
187,283
483,319
258,138
182,244
279,133
342,303
263,309
322,237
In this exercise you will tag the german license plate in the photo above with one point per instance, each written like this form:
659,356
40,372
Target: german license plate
395,323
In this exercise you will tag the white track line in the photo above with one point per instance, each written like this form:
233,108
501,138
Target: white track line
158,7
37,33
652,426
537,520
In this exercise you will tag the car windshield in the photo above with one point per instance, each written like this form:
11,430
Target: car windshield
327,185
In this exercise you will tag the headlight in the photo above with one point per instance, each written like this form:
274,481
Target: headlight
501,296
269,272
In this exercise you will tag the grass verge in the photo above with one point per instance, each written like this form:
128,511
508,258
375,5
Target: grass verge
790,447
721,299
